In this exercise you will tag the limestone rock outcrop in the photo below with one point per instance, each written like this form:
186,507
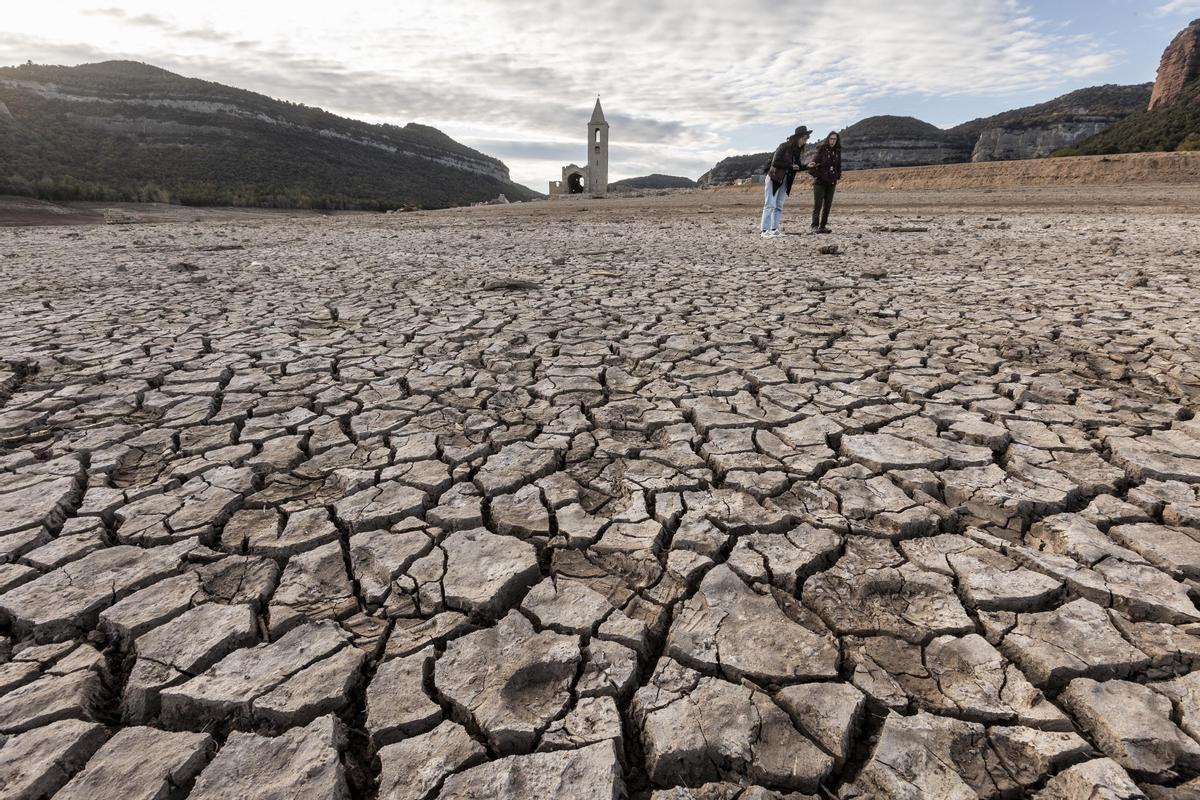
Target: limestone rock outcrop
878,142
1180,66
1012,144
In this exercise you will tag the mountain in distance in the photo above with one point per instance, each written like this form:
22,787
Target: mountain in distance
655,181
1171,121
901,142
1033,132
1174,126
734,168
127,131
1038,131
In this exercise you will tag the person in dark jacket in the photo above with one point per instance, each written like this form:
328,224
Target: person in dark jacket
826,169
781,174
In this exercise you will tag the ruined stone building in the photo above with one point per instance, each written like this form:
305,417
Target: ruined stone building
591,179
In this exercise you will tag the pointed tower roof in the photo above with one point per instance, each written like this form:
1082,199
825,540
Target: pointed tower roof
598,114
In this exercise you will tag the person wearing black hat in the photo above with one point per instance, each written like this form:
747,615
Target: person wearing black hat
785,164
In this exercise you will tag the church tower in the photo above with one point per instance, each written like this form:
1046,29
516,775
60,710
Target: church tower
590,179
598,152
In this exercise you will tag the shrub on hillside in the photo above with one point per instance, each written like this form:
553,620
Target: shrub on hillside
159,137
1163,129
1190,144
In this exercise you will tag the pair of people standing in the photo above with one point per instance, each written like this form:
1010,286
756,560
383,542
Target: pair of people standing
825,167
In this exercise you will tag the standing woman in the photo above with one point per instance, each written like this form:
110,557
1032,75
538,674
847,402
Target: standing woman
781,173
826,169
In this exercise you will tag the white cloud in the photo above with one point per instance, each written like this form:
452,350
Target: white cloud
676,76
1178,7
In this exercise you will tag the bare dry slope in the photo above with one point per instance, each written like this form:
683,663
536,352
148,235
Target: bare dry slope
28,211
1139,168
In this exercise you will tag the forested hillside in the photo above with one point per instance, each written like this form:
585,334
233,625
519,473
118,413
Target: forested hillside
121,130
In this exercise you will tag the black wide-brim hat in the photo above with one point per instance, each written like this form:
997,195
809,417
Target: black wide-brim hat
802,131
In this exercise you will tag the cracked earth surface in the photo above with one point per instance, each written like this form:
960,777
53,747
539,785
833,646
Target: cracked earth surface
322,509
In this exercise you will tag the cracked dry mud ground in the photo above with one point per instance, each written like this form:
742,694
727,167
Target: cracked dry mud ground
299,509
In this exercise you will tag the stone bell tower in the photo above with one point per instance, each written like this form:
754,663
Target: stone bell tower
598,152
591,179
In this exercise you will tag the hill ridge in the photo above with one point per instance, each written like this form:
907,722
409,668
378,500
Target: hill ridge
229,146
1175,126
1035,131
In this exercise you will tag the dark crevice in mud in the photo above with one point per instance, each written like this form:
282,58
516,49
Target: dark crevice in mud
572,694
862,748
359,756
344,535
637,780
22,372
451,710
118,663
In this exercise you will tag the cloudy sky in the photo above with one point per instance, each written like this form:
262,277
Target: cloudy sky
683,83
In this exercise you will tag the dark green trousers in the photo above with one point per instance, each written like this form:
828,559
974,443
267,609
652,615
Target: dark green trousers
822,203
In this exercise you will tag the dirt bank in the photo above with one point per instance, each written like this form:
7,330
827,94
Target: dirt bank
27,211
1137,168
18,211
1130,168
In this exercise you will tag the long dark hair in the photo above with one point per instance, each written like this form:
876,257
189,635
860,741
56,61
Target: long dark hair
825,142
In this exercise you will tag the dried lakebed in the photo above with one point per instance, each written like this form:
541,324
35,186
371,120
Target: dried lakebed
541,502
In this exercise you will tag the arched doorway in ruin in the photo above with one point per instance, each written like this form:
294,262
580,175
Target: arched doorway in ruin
576,183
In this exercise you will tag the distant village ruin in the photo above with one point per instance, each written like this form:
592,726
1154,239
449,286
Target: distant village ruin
591,179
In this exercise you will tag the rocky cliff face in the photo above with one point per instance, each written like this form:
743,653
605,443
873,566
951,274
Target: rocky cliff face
1180,66
1008,144
1038,131
889,141
878,153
